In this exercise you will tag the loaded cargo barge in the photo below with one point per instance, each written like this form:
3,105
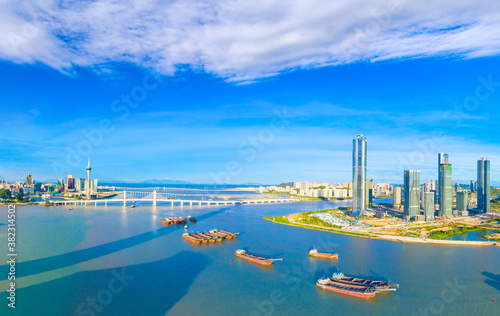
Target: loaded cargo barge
316,254
379,285
353,290
355,286
240,253
212,236
173,221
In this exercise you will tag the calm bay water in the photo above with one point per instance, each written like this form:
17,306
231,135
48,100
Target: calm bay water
67,258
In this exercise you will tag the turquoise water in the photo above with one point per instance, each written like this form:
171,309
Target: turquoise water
67,258
472,236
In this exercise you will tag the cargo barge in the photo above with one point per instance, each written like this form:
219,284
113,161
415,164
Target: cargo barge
240,253
193,239
379,285
354,286
173,221
206,237
353,290
316,254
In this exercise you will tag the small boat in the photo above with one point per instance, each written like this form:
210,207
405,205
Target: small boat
71,209
315,253
132,206
353,290
240,253
192,219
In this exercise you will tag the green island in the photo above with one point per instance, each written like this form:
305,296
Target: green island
389,228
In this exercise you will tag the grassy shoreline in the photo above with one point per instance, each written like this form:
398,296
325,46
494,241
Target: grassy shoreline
437,239
285,221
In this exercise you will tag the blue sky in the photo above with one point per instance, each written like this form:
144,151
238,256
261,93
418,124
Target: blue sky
239,95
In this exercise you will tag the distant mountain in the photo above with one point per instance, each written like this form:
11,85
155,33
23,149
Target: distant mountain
150,181
164,181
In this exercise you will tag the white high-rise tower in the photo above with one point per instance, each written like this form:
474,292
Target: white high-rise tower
88,187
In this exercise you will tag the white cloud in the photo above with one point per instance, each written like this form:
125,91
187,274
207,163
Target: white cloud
242,40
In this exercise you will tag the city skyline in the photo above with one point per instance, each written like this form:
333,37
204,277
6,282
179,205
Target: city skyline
442,158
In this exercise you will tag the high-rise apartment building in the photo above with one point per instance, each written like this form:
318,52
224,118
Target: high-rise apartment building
397,196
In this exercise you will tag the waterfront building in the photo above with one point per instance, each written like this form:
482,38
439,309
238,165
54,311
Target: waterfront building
382,189
369,193
412,194
483,185
462,201
429,206
359,175
445,189
397,196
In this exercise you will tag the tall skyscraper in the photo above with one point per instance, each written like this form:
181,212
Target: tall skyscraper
359,174
483,185
88,185
442,158
397,196
71,182
429,206
462,201
412,194
29,179
445,189
472,186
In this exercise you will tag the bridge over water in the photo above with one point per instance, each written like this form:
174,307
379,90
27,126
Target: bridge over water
163,198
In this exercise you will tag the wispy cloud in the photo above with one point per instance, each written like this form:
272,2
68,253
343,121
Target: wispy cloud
242,41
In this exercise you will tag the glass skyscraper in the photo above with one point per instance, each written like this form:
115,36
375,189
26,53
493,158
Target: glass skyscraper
445,189
462,201
429,206
412,194
358,174
442,158
483,185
